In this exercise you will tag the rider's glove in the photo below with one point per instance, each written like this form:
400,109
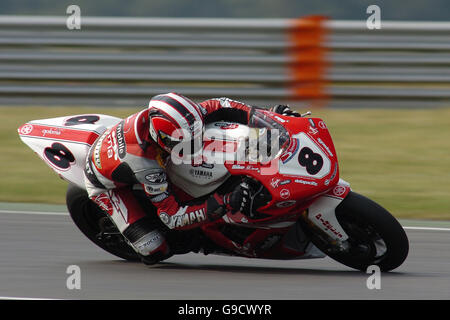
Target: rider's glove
237,200
241,199
284,110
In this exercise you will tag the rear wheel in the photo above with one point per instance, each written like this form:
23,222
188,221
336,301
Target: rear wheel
375,236
96,225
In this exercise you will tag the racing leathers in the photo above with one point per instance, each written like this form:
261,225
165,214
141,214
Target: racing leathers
125,156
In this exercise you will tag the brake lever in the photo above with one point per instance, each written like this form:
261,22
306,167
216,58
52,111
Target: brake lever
307,113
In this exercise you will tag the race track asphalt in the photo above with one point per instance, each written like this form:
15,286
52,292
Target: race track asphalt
37,249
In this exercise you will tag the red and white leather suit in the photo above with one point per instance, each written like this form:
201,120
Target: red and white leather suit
126,156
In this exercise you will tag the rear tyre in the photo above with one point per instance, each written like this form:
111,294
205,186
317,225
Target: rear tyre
375,236
96,225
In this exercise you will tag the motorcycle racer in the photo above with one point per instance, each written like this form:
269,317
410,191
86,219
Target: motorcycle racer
133,153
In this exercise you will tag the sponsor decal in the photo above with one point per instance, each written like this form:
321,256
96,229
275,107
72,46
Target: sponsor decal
201,173
226,125
26,129
306,182
311,121
245,167
285,204
104,202
339,190
325,147
155,190
183,218
164,217
248,167
291,151
110,147
74,135
121,145
156,178
274,183
160,197
116,143
149,243
277,182
285,193
322,125
51,132
327,225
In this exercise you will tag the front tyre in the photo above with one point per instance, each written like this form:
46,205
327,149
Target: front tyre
375,236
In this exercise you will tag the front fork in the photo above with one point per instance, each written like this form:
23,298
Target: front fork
321,216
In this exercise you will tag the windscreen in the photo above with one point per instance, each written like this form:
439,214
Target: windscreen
267,140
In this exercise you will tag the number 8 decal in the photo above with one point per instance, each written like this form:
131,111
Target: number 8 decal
313,162
59,155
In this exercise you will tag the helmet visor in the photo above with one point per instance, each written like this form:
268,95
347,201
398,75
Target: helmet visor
167,140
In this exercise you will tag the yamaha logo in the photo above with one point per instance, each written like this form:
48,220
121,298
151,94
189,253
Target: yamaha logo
201,173
26,129
339,191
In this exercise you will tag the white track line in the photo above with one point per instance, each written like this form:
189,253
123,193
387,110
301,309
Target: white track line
35,212
21,298
66,213
427,228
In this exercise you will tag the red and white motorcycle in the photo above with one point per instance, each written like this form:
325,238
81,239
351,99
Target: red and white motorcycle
301,208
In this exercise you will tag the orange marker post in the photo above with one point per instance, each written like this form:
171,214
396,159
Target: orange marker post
307,67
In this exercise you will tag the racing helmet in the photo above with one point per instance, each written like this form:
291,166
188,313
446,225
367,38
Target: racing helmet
174,118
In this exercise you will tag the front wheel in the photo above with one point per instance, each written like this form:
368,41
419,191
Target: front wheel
375,236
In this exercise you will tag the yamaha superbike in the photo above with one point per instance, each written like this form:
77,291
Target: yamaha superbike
301,208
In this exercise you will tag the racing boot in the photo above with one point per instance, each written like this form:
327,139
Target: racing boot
148,241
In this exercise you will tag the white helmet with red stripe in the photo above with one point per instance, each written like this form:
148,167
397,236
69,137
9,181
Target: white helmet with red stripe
174,118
